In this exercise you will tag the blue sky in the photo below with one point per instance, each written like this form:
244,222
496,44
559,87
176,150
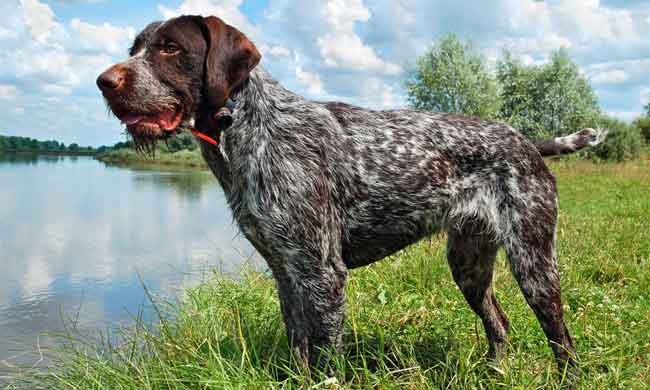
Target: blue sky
351,50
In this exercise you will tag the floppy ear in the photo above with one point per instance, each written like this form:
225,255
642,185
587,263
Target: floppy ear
230,57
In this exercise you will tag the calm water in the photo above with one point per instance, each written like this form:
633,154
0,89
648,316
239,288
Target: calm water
74,233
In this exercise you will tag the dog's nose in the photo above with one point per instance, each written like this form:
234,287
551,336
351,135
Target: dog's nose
112,79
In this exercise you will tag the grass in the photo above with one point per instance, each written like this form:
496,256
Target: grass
408,325
186,158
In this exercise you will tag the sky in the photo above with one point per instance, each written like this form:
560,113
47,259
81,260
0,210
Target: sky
356,51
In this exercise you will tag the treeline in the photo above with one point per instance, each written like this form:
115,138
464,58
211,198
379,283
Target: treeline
26,144
181,141
540,100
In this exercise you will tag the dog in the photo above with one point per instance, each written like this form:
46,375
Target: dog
319,188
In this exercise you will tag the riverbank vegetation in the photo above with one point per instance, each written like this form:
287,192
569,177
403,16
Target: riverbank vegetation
407,324
181,150
13,144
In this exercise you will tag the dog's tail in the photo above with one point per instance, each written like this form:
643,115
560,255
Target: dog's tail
570,143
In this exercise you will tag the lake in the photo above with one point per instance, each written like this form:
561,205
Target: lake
75,233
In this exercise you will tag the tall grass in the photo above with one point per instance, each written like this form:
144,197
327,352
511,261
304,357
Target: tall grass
408,326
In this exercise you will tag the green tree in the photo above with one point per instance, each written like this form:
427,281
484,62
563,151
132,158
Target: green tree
643,124
647,107
545,100
451,77
623,141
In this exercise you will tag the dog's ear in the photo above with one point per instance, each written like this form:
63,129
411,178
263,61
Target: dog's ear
230,57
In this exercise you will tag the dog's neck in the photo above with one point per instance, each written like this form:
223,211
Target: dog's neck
257,102
259,114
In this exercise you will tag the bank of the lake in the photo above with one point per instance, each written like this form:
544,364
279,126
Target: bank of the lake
181,158
407,324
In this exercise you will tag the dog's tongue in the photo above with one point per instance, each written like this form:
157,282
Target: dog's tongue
167,120
131,119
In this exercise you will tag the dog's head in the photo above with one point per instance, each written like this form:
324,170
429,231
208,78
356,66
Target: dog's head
176,70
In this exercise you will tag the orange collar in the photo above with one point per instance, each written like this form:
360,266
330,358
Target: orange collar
205,137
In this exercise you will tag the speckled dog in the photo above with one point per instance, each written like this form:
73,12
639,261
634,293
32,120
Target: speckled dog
320,188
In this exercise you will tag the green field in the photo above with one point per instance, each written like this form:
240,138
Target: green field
408,326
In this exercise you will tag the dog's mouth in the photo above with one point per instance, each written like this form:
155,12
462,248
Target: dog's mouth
146,129
164,121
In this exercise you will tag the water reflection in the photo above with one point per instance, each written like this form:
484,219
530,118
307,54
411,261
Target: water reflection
74,233
186,185
31,158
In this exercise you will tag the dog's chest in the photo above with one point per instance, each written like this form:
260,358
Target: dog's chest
240,182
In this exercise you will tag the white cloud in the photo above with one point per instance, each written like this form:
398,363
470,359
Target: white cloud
56,89
616,76
344,50
275,51
593,21
228,10
104,38
375,93
617,72
7,91
309,80
341,47
342,14
39,18
543,44
644,95
625,116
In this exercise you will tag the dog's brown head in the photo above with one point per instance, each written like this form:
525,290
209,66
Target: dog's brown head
176,70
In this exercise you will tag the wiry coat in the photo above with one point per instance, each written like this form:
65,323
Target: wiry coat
319,188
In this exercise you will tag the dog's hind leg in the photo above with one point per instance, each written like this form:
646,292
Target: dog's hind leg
471,252
531,251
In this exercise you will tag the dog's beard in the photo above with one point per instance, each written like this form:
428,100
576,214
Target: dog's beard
144,141
145,130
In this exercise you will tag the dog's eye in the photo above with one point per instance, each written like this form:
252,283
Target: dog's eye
170,48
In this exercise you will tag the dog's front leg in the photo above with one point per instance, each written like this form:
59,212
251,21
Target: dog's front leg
312,298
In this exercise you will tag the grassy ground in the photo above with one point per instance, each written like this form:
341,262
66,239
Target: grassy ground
181,158
408,326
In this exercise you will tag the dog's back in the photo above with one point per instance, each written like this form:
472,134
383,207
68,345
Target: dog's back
404,174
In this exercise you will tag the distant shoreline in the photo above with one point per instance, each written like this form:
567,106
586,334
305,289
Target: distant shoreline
48,152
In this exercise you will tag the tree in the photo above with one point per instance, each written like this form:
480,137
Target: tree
545,100
623,141
451,77
647,107
643,125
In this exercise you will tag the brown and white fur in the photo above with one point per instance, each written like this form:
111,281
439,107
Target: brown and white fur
320,188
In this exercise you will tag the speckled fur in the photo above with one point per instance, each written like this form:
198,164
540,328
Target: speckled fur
320,188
